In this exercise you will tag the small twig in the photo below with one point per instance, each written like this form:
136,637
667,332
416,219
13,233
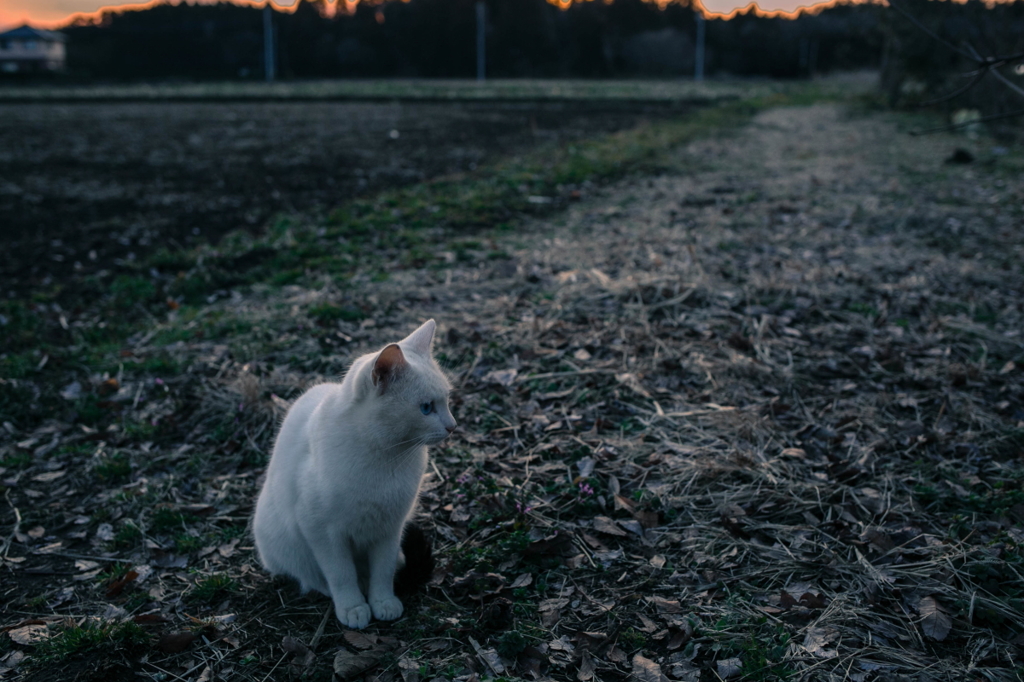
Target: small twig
557,375
279,662
17,523
320,630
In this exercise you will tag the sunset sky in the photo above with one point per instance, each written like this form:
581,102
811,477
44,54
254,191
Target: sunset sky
54,13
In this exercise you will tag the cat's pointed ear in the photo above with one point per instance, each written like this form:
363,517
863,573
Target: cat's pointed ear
386,366
421,339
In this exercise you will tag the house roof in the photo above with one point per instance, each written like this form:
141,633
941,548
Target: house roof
29,32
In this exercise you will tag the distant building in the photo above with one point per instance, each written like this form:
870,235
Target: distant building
31,50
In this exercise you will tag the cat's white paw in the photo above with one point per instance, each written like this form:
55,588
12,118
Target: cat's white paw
389,608
355,617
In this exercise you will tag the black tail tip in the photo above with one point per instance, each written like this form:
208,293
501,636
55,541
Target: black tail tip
419,561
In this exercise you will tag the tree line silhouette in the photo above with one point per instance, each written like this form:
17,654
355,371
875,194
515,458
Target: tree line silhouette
436,38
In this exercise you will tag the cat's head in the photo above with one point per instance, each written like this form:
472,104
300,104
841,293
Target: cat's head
410,384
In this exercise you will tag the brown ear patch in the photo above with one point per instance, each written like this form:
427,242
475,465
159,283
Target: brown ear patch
387,366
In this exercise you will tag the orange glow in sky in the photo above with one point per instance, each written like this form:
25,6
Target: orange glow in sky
57,13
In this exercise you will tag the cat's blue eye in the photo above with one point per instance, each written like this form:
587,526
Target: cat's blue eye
427,408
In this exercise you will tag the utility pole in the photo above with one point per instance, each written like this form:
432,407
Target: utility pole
481,40
698,67
269,62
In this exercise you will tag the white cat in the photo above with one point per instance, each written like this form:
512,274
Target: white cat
345,475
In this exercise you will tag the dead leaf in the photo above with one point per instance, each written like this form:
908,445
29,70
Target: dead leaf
646,670
602,524
615,654
813,601
489,657
163,559
348,665
647,518
303,656
29,635
586,671
151,618
501,377
228,549
817,639
934,622
658,561
206,675
551,604
105,532
117,587
11,661
624,503
649,625
729,668
666,605
175,642
48,476
556,544
522,580
680,637
360,640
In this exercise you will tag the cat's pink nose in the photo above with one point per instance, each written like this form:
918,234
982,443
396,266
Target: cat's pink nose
451,429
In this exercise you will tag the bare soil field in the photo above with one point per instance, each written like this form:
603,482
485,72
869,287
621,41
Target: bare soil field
86,185
753,411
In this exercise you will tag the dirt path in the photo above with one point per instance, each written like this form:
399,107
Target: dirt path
758,417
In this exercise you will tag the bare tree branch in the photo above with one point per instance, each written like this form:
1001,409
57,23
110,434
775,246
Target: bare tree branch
927,30
957,126
978,75
1008,83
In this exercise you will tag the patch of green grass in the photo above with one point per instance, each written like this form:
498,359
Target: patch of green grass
511,644
863,309
186,544
211,587
632,640
327,313
161,364
128,291
762,654
128,535
988,503
113,468
90,410
164,520
21,328
16,460
74,639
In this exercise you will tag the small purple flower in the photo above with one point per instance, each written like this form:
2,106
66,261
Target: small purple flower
585,489
464,479
159,381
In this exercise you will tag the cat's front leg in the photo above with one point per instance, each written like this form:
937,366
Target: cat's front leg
383,564
339,569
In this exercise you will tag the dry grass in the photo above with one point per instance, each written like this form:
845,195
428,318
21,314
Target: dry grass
759,417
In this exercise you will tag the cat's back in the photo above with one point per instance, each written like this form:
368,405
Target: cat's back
293,438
